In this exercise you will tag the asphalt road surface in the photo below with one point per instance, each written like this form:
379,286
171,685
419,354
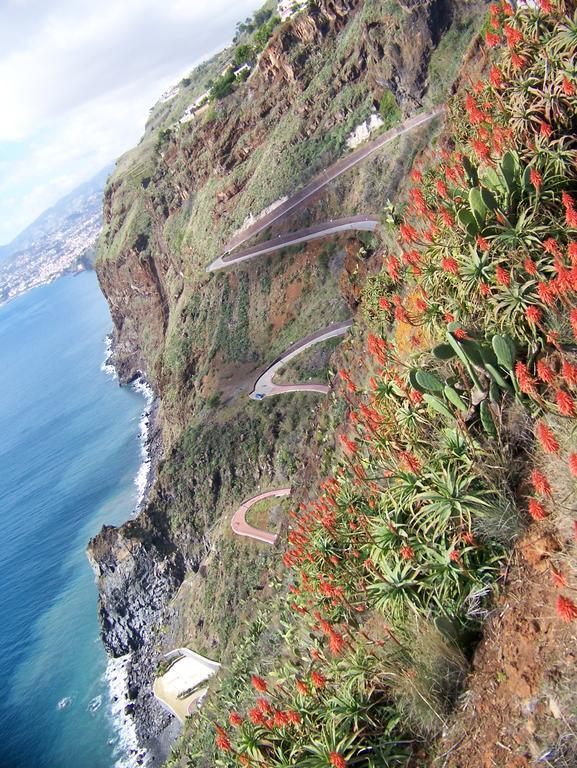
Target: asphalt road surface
265,386
325,177
316,232
242,528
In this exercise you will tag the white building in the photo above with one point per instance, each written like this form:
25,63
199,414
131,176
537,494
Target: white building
240,70
195,107
288,8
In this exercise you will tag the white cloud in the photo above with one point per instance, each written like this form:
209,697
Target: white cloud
77,79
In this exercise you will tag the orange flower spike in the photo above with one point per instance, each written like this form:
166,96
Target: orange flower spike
318,680
235,719
565,403
258,684
536,510
536,179
573,464
566,609
545,373
547,438
533,315
222,741
540,483
337,761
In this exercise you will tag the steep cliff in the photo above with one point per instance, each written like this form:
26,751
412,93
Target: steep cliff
201,340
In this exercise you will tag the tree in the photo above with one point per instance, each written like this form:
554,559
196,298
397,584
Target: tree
244,54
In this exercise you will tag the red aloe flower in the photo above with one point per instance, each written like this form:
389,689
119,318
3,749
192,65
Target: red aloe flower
540,483
349,444
530,266
513,35
492,39
337,761
547,438
336,642
406,552
568,87
573,464
293,717
484,289
302,687
517,61
545,129
264,706
545,373
317,679
550,245
536,510
483,244
480,149
526,381
565,403
408,233
546,293
495,77
569,373
566,609
503,276
536,179
222,741
450,265
533,314
235,719
258,684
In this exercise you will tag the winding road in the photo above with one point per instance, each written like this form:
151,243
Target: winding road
325,177
242,528
265,386
316,232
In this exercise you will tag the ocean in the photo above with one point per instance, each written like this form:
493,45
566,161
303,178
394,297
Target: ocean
70,454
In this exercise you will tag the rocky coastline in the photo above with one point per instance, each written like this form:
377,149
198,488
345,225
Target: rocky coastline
134,588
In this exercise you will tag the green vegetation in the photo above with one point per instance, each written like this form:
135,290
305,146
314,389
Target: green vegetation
389,110
394,564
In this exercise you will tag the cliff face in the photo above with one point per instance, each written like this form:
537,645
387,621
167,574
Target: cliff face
170,205
168,209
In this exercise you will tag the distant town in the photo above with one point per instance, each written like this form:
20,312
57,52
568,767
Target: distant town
66,244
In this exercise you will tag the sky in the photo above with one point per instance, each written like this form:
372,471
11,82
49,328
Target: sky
77,79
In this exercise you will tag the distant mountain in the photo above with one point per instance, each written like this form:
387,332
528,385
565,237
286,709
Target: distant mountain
60,239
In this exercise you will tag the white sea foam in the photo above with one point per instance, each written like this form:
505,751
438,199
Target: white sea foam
107,366
127,752
143,474
95,704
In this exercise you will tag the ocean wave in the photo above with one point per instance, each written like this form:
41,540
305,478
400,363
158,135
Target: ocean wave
95,704
107,366
143,474
127,753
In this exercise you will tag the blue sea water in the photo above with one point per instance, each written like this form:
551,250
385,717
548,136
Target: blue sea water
69,453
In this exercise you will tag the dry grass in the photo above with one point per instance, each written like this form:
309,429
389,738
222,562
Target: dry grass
431,676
